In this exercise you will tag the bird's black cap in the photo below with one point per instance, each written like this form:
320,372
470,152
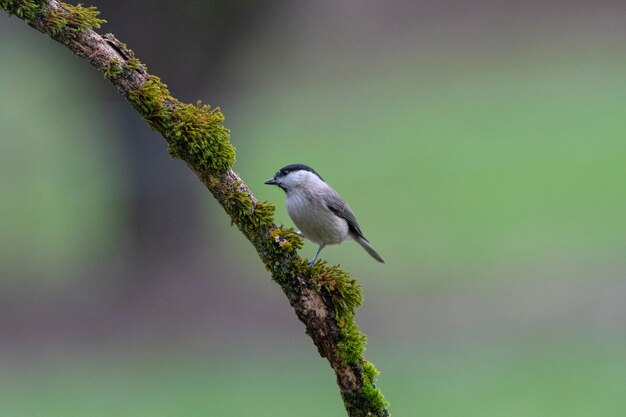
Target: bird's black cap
296,167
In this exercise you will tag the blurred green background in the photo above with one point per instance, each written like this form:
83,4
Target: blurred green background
481,146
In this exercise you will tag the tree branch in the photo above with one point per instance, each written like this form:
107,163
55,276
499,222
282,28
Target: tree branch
323,297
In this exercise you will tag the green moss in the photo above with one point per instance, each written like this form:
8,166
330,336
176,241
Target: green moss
54,22
113,70
133,64
263,214
344,291
150,100
196,134
286,238
80,19
117,69
367,401
280,255
372,394
73,18
28,10
345,295
283,244
250,218
374,397
352,344
369,371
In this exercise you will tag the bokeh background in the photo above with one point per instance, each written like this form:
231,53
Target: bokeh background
481,145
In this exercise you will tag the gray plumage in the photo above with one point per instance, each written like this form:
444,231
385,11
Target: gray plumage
318,210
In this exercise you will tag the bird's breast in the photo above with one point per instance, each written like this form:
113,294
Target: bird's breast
315,220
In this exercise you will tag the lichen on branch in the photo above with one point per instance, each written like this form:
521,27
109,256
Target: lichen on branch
323,297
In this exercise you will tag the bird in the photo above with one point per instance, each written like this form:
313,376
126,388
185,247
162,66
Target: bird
318,210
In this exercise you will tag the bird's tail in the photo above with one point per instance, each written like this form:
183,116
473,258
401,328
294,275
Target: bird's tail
365,244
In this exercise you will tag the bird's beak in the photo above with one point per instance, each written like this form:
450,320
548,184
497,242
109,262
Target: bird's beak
271,181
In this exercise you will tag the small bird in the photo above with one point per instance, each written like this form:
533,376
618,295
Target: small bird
318,210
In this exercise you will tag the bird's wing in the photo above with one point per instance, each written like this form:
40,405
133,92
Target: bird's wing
341,209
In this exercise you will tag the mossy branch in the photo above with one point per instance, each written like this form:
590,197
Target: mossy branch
323,297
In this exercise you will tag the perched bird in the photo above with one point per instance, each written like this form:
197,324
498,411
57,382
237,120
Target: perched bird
318,210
